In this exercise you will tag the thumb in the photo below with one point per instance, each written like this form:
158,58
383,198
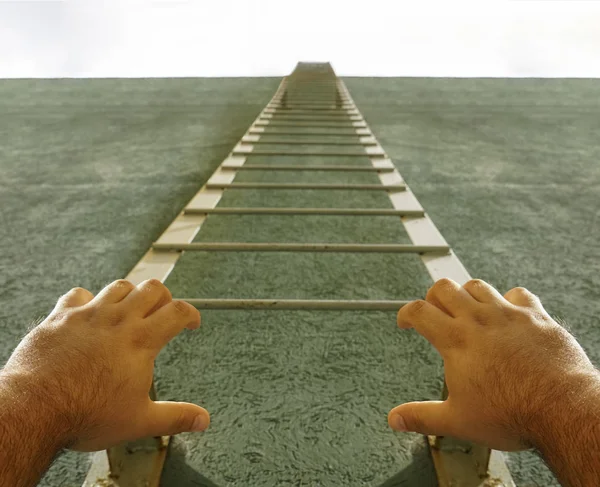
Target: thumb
171,418
427,418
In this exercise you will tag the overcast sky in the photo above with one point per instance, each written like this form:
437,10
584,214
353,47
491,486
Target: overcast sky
134,38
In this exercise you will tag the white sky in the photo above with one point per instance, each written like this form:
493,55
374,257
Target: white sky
135,38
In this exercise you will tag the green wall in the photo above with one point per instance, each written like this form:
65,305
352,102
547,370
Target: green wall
92,171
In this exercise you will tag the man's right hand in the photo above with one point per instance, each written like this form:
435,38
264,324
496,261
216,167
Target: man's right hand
516,378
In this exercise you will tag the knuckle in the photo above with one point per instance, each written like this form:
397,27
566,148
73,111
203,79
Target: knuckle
456,338
79,313
511,314
181,308
153,284
414,422
123,283
166,294
520,291
183,421
533,316
76,316
58,316
416,307
77,290
141,338
483,315
114,317
443,285
444,281
475,283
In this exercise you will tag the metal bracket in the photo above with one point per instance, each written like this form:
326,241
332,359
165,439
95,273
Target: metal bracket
135,464
462,464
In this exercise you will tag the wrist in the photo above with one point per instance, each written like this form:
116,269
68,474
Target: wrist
25,407
568,434
570,411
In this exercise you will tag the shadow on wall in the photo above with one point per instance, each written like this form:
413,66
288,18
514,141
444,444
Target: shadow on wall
418,472
178,473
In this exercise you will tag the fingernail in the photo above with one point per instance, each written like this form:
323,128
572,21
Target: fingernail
398,423
199,423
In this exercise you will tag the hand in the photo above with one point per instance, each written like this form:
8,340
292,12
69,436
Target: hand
511,370
89,366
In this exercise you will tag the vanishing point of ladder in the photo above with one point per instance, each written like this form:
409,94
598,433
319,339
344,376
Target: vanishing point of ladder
312,98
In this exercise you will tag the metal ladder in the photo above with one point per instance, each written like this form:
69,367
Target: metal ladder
311,99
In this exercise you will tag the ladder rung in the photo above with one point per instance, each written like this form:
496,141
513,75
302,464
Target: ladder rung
316,90
300,111
296,80
328,98
293,100
301,247
350,133
309,142
331,123
263,123
290,167
332,112
310,81
304,78
311,88
316,95
309,119
311,106
297,304
303,211
311,116
300,153
295,106
365,187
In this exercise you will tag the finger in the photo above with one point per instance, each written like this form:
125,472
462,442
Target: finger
481,291
451,298
147,297
430,322
519,296
74,298
115,292
171,418
169,320
427,418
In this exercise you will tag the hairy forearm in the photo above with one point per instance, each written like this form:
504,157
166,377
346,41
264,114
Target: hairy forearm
569,437
30,435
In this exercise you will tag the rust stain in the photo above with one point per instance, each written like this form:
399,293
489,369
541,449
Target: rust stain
494,483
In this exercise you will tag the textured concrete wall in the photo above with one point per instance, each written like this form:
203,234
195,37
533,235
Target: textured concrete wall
508,170
92,172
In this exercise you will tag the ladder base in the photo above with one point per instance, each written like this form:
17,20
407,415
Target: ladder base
466,467
134,464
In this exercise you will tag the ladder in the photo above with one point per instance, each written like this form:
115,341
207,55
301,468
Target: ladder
311,108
